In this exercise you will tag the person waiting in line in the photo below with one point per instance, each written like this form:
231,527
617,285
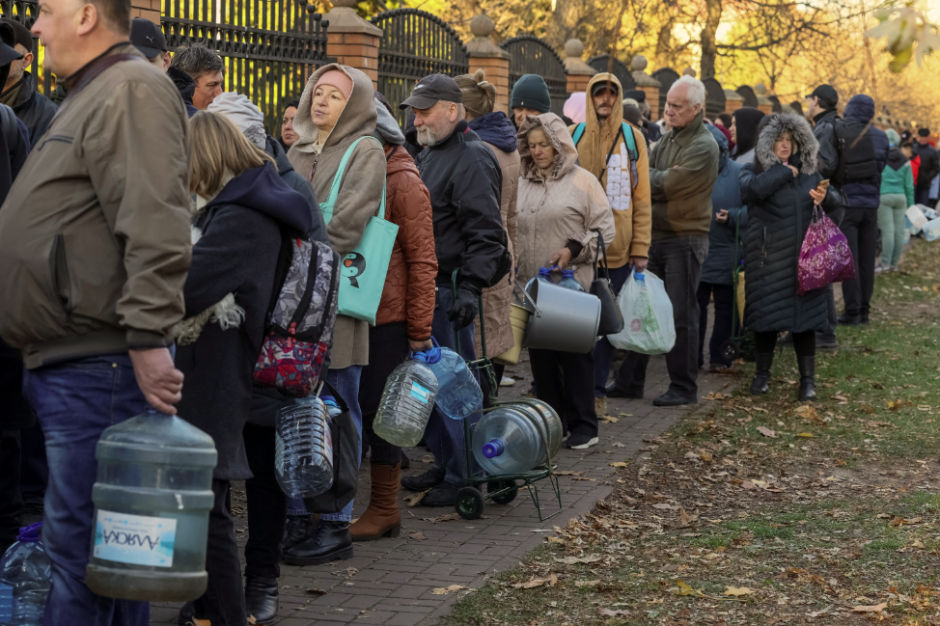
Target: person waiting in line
897,193
743,130
19,90
148,38
530,96
288,134
204,67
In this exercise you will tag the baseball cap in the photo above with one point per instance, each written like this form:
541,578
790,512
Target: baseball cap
826,93
430,90
7,41
147,37
604,84
21,34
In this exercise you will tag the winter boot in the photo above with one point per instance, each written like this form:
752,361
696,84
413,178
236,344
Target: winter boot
382,518
261,599
807,377
761,382
296,530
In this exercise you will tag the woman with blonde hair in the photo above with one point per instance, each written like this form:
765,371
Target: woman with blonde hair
242,207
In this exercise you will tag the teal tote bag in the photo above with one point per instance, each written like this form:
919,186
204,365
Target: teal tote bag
363,271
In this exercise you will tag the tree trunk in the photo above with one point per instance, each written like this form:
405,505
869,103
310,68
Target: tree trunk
713,10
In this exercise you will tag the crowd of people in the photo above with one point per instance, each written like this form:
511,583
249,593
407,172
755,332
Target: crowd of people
150,199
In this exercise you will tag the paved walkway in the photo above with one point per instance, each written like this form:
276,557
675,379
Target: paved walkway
390,581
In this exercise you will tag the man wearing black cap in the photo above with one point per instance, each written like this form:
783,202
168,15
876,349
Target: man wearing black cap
465,182
929,167
148,38
19,91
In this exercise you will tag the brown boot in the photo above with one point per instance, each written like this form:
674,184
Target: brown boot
382,518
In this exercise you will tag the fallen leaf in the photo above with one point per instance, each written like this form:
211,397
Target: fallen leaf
554,540
571,560
252,620
450,517
584,478
586,583
608,418
665,507
766,432
875,608
412,499
805,435
418,536
618,445
684,518
443,591
316,592
567,473
619,464
738,591
684,589
614,613
818,613
552,581
705,456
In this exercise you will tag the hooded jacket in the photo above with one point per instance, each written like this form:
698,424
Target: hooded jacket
898,177
779,210
360,194
683,170
631,204
825,133
498,132
296,182
568,204
186,86
724,253
237,253
929,164
34,109
866,194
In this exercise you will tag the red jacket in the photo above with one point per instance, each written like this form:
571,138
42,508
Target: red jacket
408,295
915,167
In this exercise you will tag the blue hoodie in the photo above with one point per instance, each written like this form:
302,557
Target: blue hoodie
495,128
867,194
724,253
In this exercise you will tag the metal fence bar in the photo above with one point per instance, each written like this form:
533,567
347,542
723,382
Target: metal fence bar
531,55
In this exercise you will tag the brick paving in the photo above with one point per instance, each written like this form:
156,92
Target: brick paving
390,581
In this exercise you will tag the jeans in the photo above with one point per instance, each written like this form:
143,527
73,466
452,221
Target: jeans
721,331
445,437
860,227
295,506
891,222
603,349
75,402
678,262
564,382
346,383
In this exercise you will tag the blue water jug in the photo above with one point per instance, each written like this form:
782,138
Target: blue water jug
25,578
152,501
458,393
303,447
517,437
568,281
407,400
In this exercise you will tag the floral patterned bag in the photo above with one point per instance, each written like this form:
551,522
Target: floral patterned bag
825,257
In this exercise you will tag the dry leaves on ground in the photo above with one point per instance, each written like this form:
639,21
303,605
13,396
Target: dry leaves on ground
418,536
551,581
412,499
443,591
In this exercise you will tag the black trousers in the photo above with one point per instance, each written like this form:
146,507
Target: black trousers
223,603
803,343
388,348
11,502
566,382
860,227
267,505
721,331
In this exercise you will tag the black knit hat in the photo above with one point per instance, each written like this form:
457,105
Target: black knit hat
637,94
924,132
531,92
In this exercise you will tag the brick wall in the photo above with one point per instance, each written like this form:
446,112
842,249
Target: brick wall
497,72
148,9
355,50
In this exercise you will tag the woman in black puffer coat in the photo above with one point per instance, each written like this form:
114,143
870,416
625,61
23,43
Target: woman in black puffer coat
780,189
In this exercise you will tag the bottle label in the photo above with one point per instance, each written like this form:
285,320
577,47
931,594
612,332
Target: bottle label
421,393
135,539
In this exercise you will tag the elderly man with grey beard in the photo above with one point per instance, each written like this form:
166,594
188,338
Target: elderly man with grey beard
683,170
465,182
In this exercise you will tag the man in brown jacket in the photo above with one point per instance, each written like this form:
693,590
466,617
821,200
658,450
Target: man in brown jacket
94,246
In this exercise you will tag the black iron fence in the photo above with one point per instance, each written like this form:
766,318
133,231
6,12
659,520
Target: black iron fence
531,55
602,63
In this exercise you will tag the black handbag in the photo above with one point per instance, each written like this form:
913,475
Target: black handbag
345,462
611,315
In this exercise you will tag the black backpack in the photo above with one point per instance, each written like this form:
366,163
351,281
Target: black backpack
856,152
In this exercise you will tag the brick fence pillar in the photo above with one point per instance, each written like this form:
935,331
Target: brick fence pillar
579,73
147,9
733,101
647,84
353,40
493,60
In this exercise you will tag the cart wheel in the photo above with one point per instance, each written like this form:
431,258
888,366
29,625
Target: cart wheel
503,498
469,503
730,350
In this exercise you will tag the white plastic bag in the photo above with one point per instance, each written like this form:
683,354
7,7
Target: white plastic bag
649,327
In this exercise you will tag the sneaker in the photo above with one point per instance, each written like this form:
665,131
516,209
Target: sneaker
881,268
827,344
506,381
600,406
718,368
895,268
445,494
577,441
422,482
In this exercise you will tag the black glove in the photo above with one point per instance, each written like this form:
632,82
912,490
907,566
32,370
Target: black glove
465,306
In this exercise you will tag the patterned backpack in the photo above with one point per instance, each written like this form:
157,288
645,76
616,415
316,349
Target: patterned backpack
300,317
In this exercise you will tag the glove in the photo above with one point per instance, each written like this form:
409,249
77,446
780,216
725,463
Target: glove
465,306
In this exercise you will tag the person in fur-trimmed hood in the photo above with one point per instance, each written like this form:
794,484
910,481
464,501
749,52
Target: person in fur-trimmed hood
780,189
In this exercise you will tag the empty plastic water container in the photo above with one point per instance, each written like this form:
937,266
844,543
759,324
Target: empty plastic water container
407,400
25,577
568,281
458,393
152,501
303,448
517,437
932,230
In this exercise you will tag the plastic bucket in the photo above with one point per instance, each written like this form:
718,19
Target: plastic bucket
562,319
519,317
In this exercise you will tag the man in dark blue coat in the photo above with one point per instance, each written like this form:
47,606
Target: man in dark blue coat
860,224
929,167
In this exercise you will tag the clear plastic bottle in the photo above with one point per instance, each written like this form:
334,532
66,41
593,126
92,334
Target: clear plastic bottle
568,281
407,400
512,439
643,317
26,572
458,393
303,448
544,275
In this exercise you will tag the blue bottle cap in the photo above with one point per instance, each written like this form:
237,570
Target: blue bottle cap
545,271
329,400
640,278
30,534
567,273
431,356
493,448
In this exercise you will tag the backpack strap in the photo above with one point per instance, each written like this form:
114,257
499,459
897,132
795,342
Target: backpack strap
631,142
327,207
578,133
628,137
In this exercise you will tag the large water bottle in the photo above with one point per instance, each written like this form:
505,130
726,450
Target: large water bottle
458,393
568,281
517,437
544,275
152,501
303,448
25,578
932,229
407,400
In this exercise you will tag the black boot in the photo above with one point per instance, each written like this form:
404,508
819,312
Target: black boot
807,377
331,541
261,599
761,382
296,530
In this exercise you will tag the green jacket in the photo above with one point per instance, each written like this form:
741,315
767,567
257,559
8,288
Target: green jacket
683,170
898,177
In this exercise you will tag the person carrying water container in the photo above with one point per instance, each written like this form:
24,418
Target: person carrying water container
615,153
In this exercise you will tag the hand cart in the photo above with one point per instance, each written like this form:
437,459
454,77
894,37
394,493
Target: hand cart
741,343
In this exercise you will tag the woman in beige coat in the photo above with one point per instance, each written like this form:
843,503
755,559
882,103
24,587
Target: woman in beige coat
560,209
498,133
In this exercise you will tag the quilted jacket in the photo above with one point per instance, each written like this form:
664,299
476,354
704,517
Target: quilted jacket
408,295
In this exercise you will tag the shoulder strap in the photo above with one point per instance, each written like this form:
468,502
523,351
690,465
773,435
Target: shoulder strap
631,141
578,132
327,208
